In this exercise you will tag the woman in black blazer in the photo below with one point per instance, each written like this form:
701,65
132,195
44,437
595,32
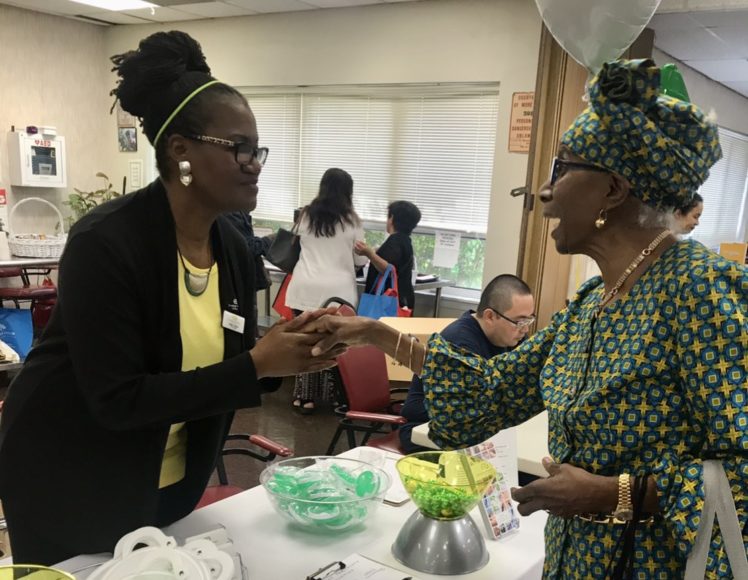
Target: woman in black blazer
107,391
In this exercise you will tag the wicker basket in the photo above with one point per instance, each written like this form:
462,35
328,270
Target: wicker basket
36,245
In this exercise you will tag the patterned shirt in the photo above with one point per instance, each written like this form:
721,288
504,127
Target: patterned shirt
653,386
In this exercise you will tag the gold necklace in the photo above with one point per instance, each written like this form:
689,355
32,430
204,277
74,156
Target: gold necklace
628,271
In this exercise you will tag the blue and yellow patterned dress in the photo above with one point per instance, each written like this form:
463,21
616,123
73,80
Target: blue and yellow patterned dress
654,386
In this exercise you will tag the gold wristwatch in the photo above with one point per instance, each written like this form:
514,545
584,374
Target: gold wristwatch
625,509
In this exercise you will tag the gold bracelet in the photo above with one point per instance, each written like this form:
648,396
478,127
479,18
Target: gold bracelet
410,353
397,347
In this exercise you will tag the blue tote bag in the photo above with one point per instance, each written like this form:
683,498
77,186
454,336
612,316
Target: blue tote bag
378,304
16,329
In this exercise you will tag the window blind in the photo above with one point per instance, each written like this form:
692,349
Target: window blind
725,193
428,145
278,126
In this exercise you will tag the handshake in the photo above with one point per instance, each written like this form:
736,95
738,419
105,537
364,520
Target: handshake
311,342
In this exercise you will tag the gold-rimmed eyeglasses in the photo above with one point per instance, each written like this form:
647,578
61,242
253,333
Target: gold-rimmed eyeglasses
244,152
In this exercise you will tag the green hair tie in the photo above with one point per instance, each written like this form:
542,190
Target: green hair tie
181,106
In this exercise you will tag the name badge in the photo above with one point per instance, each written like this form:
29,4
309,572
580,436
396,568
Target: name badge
233,322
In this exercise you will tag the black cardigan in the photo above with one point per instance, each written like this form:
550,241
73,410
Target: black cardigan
85,422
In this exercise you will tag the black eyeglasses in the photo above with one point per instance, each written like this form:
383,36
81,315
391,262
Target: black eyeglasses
244,153
521,323
560,166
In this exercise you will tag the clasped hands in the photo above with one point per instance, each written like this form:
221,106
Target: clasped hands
308,343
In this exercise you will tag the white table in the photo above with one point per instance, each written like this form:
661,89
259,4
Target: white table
271,549
532,443
19,262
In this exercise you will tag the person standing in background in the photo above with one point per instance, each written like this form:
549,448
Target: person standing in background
258,247
687,217
328,230
402,218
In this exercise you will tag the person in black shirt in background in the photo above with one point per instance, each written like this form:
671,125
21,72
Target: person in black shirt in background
505,314
402,218
258,246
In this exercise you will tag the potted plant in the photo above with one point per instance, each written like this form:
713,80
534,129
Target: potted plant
81,202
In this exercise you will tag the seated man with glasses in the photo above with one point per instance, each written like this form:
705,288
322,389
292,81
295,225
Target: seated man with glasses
504,316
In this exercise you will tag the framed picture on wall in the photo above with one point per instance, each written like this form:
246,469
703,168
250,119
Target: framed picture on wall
128,139
124,119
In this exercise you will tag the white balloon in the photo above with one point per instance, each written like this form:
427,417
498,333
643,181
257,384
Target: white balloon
596,31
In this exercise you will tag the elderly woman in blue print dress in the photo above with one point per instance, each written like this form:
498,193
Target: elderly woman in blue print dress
644,373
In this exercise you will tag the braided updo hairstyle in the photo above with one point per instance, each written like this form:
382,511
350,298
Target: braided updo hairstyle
156,78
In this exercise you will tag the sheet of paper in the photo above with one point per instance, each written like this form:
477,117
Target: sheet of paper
357,567
446,249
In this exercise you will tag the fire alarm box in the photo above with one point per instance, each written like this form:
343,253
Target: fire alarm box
37,160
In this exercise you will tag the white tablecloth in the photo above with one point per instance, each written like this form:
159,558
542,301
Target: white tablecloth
274,550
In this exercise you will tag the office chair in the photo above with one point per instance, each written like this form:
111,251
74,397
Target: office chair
363,371
272,449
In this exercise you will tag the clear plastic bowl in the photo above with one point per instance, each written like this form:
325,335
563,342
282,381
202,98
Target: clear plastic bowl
324,493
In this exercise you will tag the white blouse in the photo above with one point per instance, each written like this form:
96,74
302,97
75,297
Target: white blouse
326,267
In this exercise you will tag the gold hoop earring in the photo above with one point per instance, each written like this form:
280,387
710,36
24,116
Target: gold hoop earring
185,175
602,218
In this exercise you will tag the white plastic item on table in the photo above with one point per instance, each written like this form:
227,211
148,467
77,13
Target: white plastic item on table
161,558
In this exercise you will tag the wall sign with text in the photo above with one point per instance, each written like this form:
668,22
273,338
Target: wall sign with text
520,125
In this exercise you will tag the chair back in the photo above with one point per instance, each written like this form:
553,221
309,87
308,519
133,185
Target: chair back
365,380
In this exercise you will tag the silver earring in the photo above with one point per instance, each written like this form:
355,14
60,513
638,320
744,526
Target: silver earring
601,219
184,173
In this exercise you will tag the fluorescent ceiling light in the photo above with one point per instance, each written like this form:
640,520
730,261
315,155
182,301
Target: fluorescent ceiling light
118,4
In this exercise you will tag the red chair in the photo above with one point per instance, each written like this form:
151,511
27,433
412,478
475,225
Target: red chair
214,493
41,298
370,405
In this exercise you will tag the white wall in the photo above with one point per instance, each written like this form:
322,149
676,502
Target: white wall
731,107
52,72
419,42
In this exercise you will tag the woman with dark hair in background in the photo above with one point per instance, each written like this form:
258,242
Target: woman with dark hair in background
328,229
120,412
687,217
402,218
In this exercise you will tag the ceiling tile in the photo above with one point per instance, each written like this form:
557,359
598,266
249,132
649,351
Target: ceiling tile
265,6
722,18
161,14
116,17
701,5
341,3
736,37
674,21
215,9
53,6
722,70
692,45
742,88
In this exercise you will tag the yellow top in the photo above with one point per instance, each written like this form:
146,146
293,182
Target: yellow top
202,345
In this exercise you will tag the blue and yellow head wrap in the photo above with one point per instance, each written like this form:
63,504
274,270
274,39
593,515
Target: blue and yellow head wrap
662,145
